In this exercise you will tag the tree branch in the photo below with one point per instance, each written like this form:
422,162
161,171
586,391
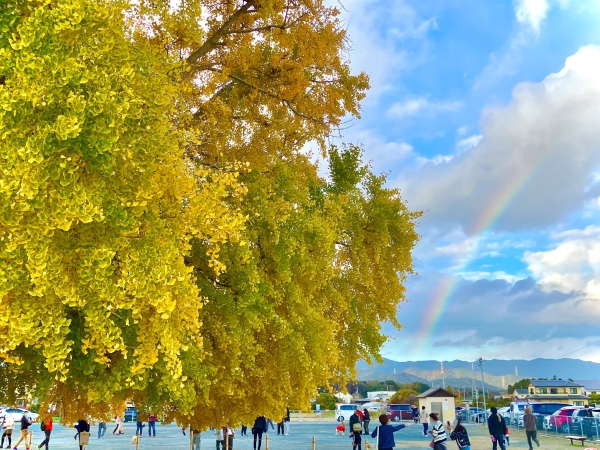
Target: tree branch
213,41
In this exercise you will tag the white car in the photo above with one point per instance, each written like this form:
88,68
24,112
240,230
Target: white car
17,413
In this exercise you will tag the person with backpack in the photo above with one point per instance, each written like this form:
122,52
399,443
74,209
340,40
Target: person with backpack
8,424
25,423
82,427
46,427
497,428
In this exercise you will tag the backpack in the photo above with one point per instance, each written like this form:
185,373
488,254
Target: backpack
43,426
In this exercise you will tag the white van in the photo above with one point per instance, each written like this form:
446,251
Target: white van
343,411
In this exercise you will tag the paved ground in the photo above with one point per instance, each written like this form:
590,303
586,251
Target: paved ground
300,438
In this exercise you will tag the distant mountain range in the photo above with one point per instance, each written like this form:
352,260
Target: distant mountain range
498,374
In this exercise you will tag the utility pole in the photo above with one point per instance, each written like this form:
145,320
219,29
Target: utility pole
483,389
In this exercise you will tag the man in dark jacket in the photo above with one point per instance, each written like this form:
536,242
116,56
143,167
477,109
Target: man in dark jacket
497,429
366,420
260,426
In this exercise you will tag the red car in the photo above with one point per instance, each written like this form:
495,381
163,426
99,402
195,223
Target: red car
398,412
561,420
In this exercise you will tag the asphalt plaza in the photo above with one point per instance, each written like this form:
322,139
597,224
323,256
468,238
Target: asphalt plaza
300,438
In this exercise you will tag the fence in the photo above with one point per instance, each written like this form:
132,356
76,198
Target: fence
559,427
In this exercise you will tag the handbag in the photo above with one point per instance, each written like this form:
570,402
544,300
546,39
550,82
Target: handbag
356,427
432,444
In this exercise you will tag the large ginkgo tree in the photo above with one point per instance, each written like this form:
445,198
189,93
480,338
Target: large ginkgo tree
164,235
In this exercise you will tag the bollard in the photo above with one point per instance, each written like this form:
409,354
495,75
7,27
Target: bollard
191,439
267,443
226,436
314,443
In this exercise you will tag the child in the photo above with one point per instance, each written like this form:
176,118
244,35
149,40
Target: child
507,437
341,428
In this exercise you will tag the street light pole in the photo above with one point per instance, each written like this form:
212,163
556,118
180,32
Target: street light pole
483,388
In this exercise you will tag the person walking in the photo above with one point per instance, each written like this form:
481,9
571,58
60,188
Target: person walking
219,438
460,435
530,424
46,427
270,422
424,418
244,430
101,429
82,427
286,421
119,425
196,439
415,411
25,423
438,432
356,429
280,427
366,420
586,424
139,427
8,424
497,428
152,425
259,427
386,433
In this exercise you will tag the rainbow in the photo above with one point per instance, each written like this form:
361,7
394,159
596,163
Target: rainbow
491,214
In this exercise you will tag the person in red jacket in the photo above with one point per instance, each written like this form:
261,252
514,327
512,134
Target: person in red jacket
46,427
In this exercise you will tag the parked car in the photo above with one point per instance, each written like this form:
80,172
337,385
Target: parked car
17,413
343,411
374,407
578,420
541,410
398,412
561,419
130,414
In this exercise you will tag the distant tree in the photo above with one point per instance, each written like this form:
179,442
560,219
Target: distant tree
522,384
404,396
327,401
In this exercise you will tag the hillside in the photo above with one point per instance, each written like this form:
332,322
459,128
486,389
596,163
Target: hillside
498,374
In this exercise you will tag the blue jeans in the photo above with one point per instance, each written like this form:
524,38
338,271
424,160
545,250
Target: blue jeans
499,440
425,427
152,428
101,429
139,428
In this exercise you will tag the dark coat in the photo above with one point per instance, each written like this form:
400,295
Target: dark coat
260,425
354,418
367,417
496,427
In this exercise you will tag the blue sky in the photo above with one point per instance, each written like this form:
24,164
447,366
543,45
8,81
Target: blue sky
486,114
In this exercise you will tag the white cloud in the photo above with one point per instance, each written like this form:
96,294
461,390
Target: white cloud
381,154
421,106
462,131
531,12
468,143
388,38
572,265
534,162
